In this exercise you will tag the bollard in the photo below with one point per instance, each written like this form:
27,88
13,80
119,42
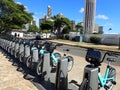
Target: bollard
46,67
21,48
16,50
119,44
27,54
62,74
27,51
34,59
35,55
92,74
12,48
21,52
9,47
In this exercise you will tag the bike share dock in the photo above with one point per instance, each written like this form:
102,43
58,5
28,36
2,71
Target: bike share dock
11,79
48,80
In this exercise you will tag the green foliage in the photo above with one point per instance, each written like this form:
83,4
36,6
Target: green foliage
79,27
65,30
60,23
33,28
95,39
66,37
47,25
46,31
13,15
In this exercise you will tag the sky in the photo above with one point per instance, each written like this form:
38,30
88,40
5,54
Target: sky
107,11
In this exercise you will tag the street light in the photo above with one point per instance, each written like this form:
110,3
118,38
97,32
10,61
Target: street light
110,29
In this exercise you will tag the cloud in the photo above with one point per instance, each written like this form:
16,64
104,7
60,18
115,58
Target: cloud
37,20
108,25
81,10
26,8
104,17
19,3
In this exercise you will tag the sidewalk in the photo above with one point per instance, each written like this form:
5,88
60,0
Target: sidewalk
10,78
77,71
87,45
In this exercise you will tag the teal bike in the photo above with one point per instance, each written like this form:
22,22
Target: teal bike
109,79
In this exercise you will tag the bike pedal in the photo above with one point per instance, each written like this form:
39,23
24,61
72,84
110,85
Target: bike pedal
114,82
106,87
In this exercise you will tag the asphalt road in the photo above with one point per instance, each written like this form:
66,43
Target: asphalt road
81,52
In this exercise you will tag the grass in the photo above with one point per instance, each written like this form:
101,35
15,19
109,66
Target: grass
88,45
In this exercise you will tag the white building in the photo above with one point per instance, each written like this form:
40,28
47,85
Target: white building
19,33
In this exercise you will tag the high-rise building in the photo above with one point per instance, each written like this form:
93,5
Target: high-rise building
96,28
101,29
60,15
73,24
49,14
89,14
33,22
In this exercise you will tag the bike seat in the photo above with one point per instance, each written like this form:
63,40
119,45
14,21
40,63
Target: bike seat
111,59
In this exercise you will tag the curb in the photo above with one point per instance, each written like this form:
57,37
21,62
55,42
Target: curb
85,46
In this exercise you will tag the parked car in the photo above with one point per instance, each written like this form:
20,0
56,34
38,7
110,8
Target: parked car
38,37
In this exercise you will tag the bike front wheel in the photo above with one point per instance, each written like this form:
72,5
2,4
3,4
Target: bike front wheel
57,56
39,68
28,61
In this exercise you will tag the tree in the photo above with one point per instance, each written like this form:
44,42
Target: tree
79,27
60,24
33,28
13,15
65,30
47,24
100,32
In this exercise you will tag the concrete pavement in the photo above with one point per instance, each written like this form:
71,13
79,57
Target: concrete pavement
77,72
10,78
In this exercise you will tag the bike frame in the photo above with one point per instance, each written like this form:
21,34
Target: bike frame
42,51
103,80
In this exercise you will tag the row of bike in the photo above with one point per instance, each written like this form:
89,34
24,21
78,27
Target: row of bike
31,52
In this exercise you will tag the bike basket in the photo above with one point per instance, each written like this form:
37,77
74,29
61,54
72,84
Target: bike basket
93,57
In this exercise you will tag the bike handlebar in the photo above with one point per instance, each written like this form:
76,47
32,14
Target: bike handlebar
110,53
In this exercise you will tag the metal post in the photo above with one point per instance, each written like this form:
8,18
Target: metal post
35,59
27,51
13,48
46,67
16,49
21,49
119,44
27,54
35,55
92,75
62,74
